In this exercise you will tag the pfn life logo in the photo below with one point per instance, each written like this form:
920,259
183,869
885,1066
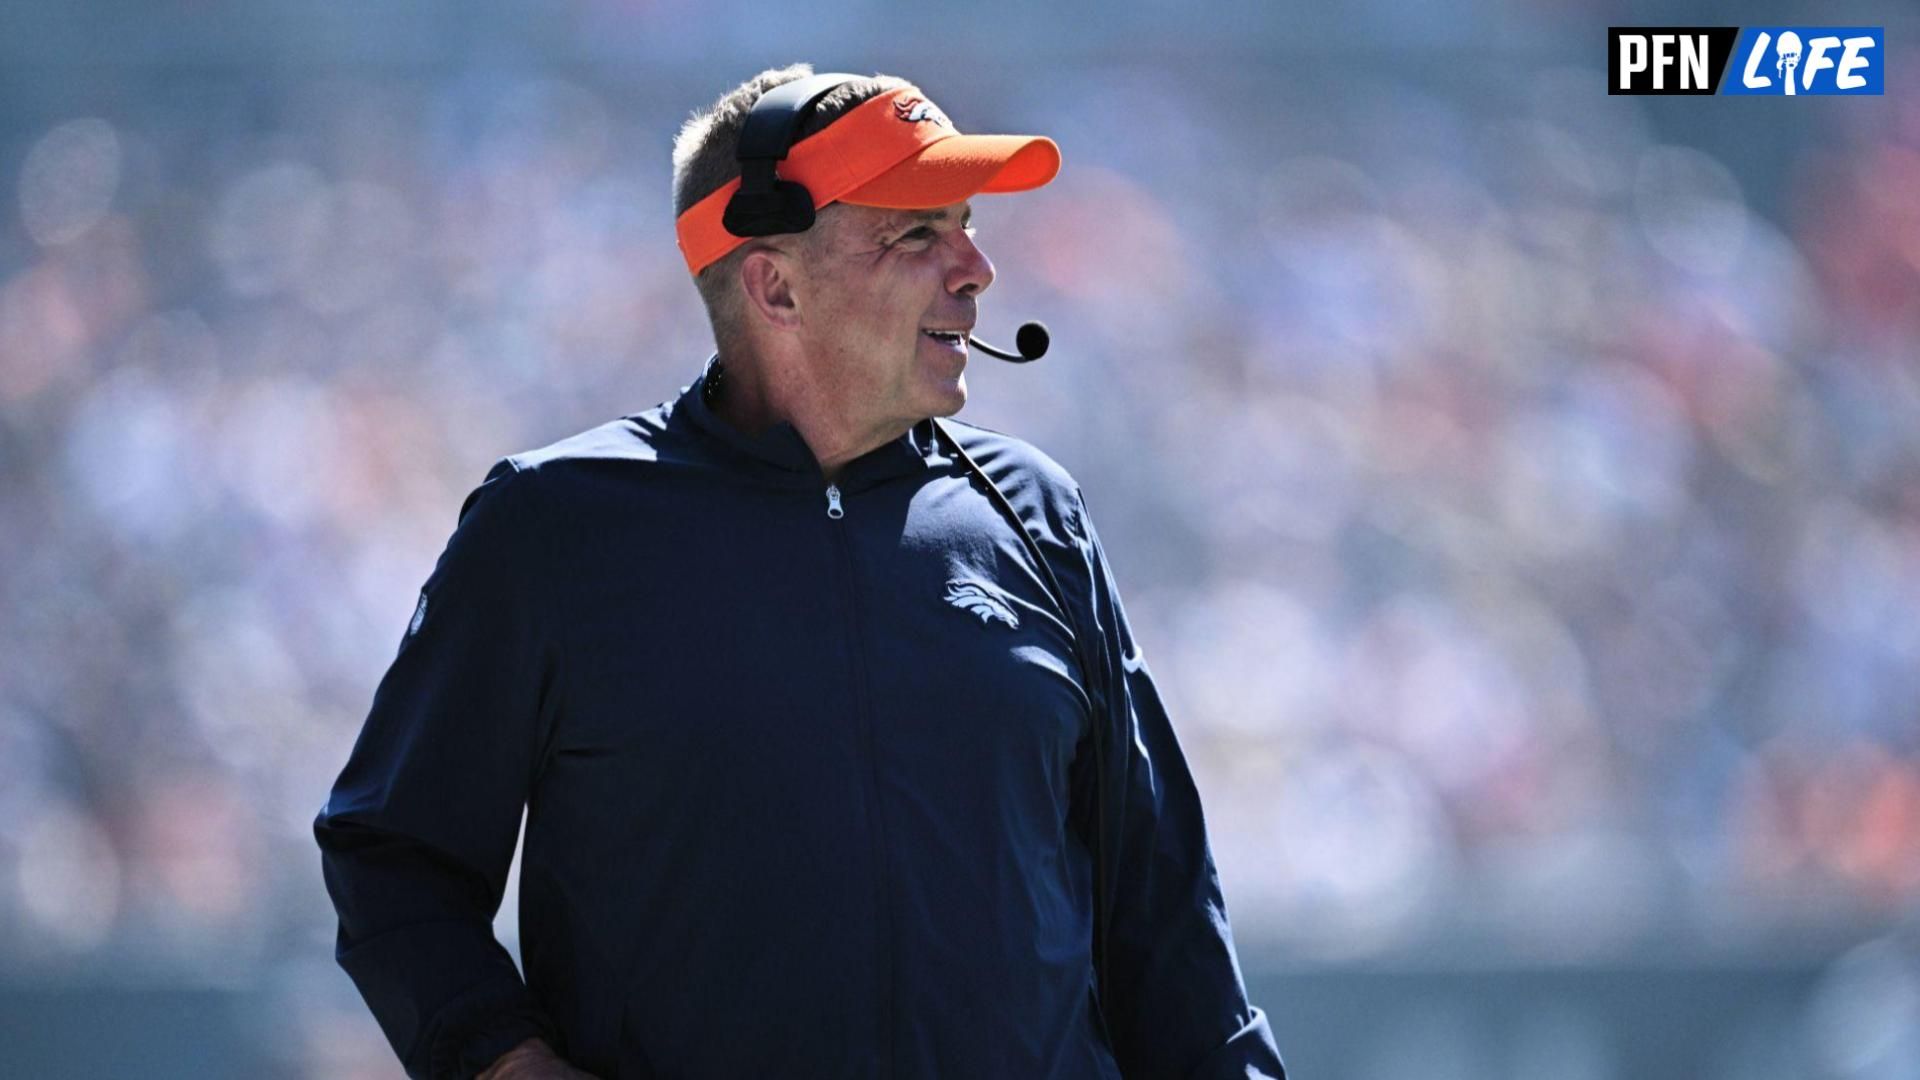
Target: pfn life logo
1785,60
1794,60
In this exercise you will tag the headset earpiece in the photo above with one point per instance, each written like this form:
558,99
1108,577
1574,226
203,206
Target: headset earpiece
783,207
766,205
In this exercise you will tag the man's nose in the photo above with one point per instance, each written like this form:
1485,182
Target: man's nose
973,271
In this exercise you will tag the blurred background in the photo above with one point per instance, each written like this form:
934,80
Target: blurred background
1515,488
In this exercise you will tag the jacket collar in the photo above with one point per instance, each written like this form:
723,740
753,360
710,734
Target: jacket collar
782,448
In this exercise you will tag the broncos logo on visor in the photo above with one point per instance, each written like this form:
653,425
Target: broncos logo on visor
915,109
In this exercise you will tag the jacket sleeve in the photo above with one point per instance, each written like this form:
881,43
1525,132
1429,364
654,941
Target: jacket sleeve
418,832
1176,1004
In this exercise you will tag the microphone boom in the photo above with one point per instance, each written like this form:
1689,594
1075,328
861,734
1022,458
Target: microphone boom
1032,339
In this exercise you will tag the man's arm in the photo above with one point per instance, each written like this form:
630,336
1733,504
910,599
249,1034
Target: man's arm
418,832
1177,1005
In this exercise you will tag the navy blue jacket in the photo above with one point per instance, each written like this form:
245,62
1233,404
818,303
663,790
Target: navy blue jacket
806,794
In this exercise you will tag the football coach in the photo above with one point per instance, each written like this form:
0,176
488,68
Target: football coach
836,753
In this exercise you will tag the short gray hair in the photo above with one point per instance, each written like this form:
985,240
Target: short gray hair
704,160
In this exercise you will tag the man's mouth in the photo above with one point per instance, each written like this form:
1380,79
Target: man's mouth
952,339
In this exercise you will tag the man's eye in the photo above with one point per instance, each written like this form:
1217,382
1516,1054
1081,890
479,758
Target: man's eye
921,233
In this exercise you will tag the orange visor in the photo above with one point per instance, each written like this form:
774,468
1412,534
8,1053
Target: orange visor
897,151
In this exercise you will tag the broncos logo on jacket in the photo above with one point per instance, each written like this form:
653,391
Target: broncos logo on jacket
983,600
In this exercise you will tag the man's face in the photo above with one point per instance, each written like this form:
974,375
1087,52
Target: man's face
876,282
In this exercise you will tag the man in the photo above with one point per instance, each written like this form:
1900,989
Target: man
804,740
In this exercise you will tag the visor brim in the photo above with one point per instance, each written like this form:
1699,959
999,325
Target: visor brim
959,167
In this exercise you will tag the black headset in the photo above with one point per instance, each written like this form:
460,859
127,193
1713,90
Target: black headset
766,205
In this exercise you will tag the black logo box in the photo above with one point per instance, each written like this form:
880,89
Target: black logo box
1719,46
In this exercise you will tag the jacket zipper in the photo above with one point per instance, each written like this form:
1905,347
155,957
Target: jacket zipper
863,711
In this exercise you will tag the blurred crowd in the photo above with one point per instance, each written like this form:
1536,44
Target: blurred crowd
1521,519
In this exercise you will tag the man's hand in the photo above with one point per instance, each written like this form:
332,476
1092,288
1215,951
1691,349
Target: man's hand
533,1060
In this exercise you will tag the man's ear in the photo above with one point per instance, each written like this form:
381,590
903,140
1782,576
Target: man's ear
767,281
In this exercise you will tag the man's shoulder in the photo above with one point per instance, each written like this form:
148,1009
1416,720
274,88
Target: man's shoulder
1015,459
638,438
1040,489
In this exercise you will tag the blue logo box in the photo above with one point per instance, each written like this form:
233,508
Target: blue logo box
1795,60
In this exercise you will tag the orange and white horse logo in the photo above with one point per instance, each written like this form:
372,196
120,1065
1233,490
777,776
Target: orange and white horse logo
915,109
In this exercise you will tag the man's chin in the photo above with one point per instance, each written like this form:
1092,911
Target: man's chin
952,399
